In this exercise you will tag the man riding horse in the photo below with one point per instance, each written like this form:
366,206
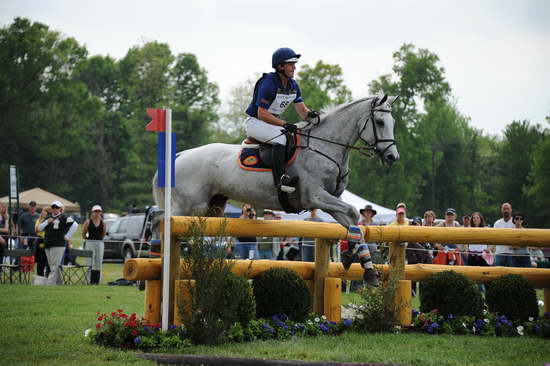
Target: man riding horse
273,93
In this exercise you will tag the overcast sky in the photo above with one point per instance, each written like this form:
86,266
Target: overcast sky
496,53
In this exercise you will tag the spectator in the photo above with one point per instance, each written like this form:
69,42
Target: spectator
478,254
93,232
58,229
367,219
400,215
536,256
27,224
308,244
448,252
429,218
42,268
417,252
289,249
466,220
503,252
520,256
4,232
246,246
267,244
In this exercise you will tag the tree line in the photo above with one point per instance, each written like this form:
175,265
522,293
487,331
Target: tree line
74,124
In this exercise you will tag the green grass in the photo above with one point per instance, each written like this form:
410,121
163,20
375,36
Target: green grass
45,326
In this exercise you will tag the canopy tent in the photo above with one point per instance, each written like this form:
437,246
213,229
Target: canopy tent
384,215
232,211
43,199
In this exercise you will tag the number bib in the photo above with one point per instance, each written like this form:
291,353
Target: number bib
281,103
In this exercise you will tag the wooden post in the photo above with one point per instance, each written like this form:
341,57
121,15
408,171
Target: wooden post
403,302
151,311
174,274
397,260
322,247
547,300
333,299
182,296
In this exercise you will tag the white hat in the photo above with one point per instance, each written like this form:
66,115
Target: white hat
96,208
57,203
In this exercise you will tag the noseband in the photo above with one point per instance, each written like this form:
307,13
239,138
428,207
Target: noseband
374,146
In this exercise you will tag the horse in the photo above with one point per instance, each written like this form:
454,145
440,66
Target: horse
208,175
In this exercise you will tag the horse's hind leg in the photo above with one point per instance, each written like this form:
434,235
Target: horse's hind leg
216,205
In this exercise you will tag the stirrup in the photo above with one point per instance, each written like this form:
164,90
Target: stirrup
287,184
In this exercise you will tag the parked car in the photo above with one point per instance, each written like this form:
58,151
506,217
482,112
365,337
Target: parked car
130,236
109,219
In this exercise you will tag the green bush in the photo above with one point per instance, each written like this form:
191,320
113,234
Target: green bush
512,296
238,296
281,291
450,293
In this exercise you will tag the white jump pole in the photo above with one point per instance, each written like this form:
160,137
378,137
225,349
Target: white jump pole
167,214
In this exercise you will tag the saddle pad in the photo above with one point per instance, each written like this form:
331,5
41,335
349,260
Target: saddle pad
249,159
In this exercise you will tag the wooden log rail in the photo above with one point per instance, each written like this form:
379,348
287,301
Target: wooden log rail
322,230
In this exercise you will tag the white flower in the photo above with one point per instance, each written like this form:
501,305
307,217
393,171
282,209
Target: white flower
87,332
486,320
464,325
520,330
541,303
531,319
474,329
324,317
317,320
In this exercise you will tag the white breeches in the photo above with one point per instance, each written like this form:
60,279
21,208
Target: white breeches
265,132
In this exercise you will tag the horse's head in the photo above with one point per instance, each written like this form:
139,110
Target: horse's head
377,129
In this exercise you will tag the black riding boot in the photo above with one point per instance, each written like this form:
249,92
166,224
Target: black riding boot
282,181
94,277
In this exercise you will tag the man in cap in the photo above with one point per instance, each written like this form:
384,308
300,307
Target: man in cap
58,229
27,222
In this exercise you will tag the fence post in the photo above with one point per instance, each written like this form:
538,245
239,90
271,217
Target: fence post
333,299
397,260
151,311
403,302
322,248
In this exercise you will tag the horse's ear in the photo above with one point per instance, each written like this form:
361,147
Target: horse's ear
383,100
391,100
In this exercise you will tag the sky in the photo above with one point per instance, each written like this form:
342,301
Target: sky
496,54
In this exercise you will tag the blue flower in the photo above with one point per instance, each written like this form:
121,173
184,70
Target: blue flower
414,313
275,318
450,316
137,340
536,329
435,325
430,329
347,322
172,327
547,315
324,328
284,317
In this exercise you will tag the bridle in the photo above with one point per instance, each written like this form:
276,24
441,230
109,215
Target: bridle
368,150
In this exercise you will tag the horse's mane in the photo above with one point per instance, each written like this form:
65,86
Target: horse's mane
341,107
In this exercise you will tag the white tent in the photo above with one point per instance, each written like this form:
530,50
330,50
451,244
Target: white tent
383,214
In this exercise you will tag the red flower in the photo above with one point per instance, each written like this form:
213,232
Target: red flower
110,322
123,316
98,326
134,332
101,318
120,310
113,314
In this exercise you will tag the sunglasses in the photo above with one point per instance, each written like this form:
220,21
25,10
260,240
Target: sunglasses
56,207
518,218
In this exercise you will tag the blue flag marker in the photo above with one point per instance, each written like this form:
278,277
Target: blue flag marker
161,166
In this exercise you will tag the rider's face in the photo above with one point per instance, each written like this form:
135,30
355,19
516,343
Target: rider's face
288,69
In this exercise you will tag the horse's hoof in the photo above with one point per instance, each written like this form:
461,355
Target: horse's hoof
347,259
370,276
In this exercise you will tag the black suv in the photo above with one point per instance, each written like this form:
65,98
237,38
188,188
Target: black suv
129,236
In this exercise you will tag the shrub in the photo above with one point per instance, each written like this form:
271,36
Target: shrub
452,293
512,296
219,298
281,291
378,311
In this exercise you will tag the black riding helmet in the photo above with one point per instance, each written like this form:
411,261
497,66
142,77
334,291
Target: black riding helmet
283,55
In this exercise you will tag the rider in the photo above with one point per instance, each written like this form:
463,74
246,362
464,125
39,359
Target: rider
273,94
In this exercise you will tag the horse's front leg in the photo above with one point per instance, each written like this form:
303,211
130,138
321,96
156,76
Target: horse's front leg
342,212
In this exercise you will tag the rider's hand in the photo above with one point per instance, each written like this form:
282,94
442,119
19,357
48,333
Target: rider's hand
290,127
311,115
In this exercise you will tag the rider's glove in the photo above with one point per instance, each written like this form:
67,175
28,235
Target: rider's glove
311,115
290,127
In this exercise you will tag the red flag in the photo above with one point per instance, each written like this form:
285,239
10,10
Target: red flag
158,123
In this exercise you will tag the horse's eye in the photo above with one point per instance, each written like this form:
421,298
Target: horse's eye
380,123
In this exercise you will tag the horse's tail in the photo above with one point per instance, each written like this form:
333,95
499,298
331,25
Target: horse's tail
158,194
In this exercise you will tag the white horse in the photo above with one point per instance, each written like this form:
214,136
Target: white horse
208,175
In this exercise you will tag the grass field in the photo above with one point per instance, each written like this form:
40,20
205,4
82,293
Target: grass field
45,326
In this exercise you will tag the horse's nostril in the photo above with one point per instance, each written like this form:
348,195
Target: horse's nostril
390,157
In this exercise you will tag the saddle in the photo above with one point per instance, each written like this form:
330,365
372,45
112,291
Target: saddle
256,156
